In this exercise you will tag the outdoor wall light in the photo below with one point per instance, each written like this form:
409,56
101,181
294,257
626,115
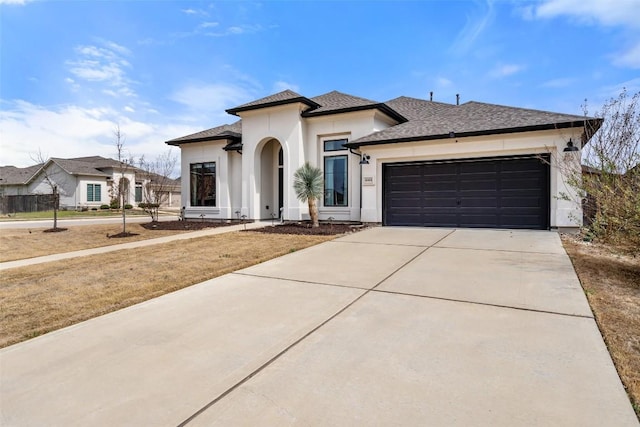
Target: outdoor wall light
364,159
570,146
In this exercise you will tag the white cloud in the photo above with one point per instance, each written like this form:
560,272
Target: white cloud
15,2
209,24
213,98
129,109
630,58
473,28
280,85
604,12
73,131
103,64
505,70
621,13
443,82
191,11
558,83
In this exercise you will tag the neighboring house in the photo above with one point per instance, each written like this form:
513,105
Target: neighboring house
407,161
82,182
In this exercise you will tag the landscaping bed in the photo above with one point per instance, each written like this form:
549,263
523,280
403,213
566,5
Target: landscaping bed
189,225
306,229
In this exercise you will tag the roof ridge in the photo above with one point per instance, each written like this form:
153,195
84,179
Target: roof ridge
534,110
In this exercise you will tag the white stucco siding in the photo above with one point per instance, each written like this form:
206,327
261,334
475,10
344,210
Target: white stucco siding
203,152
563,213
259,127
350,126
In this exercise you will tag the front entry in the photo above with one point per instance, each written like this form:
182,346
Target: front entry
271,185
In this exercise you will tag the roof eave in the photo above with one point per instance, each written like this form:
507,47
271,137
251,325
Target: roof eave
382,107
551,126
178,142
301,99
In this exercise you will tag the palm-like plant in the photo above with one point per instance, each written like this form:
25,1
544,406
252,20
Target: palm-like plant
308,185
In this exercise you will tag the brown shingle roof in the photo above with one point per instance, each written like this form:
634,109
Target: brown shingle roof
232,131
337,102
469,119
280,98
418,119
11,175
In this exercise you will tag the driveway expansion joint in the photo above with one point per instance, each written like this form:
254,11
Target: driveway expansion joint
308,282
488,304
496,250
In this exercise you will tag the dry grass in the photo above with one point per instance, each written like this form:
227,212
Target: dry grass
611,282
46,297
21,243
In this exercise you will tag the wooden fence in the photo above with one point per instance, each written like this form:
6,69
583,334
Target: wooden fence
26,203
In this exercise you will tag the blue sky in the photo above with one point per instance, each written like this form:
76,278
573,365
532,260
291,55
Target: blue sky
70,71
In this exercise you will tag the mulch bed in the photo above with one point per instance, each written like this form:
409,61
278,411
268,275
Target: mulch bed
187,225
306,229
301,228
54,230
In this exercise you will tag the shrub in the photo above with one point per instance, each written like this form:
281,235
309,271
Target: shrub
128,206
94,209
114,204
104,206
148,205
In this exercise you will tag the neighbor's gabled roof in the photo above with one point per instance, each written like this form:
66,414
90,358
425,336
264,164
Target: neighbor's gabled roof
280,98
88,166
11,175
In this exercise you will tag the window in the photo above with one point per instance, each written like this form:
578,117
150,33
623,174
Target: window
335,145
203,184
336,168
94,192
138,192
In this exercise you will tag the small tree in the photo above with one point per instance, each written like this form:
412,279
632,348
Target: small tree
609,183
124,165
51,179
157,183
309,187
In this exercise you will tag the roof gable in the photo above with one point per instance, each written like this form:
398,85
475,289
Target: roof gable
231,132
11,175
280,98
336,102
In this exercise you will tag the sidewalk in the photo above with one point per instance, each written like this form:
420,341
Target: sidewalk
131,245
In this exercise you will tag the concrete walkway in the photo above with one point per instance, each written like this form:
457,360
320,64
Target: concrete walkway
389,326
131,245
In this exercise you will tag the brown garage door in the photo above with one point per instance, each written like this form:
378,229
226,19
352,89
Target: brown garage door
494,192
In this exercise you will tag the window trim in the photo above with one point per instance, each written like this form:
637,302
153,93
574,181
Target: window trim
214,189
342,148
95,196
346,181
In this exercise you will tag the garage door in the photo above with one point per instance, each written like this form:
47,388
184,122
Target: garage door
488,193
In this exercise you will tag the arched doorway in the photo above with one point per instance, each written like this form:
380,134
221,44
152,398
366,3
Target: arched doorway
271,185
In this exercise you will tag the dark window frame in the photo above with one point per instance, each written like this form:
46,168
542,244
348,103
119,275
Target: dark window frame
331,196
330,144
203,193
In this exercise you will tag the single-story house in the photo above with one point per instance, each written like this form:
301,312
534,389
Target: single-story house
81,182
407,161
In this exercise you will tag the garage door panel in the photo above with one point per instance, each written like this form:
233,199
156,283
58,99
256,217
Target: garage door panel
496,192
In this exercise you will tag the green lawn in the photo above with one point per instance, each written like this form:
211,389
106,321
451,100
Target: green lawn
69,214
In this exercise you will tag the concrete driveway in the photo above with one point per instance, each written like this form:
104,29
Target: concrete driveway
389,326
